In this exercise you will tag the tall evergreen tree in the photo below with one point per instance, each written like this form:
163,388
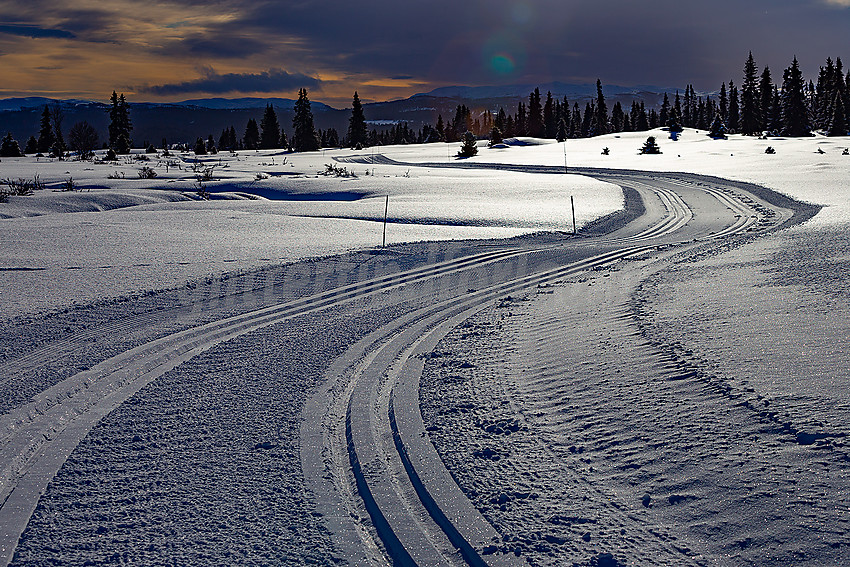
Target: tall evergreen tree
357,124
550,123
521,120
251,138
304,138
795,119
766,101
45,133
602,126
733,123
120,125
724,103
750,119
57,116
535,115
269,129
664,114
838,124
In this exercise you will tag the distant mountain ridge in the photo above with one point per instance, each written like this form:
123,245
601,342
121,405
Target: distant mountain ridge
187,120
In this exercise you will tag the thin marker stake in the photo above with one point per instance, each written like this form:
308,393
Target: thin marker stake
386,209
573,205
565,156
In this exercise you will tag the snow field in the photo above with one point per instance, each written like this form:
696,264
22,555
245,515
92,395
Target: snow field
140,235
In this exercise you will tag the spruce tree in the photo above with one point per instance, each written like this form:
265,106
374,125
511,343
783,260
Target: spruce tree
304,138
766,101
251,138
838,124
469,147
119,124
601,111
724,103
57,116
549,110
733,122
795,120
269,130
561,133
650,146
718,128
495,136
357,124
750,119
9,147
45,134
32,146
664,115
535,115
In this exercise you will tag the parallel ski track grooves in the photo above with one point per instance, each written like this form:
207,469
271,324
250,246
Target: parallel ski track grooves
37,438
379,490
37,357
44,432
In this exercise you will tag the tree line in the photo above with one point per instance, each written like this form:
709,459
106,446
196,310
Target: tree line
759,106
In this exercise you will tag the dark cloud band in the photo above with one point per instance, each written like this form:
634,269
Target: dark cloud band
35,32
273,80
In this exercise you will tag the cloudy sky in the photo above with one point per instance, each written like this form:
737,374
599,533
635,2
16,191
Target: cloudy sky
162,50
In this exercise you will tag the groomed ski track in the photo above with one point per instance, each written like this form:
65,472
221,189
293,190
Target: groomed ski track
377,480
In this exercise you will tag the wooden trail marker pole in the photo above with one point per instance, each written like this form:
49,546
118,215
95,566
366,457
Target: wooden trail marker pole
573,205
386,209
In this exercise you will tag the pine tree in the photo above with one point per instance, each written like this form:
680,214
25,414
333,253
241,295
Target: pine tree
57,116
495,136
284,141
561,133
304,138
440,129
733,123
120,125
795,120
45,134
617,117
602,126
9,147
766,101
356,124
750,118
200,147
838,124
521,120
549,123
650,146
664,115
251,137
724,103
32,146
469,147
718,128
535,115
269,129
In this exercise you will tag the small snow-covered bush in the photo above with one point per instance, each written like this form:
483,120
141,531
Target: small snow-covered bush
333,170
147,173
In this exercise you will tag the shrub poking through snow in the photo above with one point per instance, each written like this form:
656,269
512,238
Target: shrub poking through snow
23,186
469,147
147,173
650,146
769,150
69,185
333,170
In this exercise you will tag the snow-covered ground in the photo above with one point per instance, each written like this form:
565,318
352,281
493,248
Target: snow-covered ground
128,235
695,414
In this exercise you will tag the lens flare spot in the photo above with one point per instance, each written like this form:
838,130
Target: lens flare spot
502,64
